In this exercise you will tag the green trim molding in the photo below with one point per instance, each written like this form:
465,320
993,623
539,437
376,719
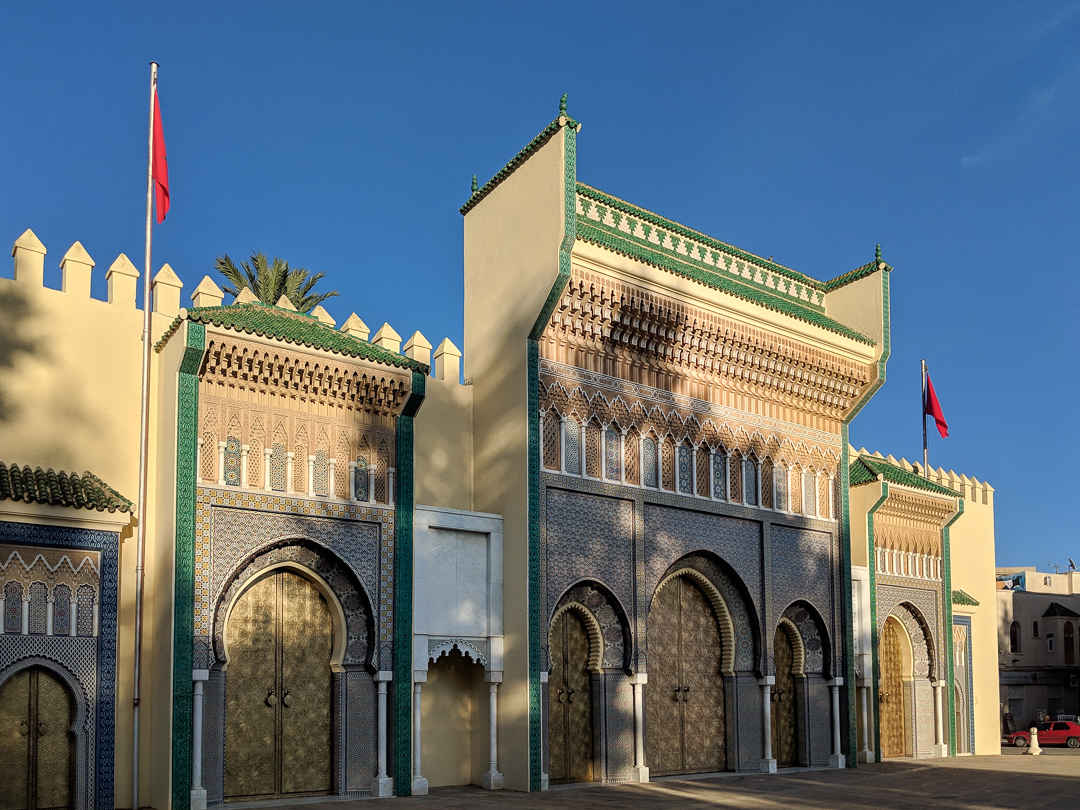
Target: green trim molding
532,358
403,586
845,529
867,468
187,432
876,667
949,623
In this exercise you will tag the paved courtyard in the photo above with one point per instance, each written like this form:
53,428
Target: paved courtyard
1049,782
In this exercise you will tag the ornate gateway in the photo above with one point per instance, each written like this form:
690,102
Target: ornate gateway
684,699
277,711
570,696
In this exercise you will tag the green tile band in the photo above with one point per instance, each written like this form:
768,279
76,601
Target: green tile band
187,420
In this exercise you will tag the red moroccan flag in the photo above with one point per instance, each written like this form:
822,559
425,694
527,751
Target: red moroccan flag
160,170
933,408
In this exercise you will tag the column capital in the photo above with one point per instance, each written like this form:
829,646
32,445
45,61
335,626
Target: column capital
836,682
639,677
768,680
383,675
200,675
493,675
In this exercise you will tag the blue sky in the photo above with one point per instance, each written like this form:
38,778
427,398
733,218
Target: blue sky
343,137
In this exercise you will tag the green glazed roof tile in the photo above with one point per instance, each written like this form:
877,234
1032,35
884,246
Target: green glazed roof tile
866,469
292,327
51,488
961,598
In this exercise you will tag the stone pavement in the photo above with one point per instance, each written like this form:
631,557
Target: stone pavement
962,783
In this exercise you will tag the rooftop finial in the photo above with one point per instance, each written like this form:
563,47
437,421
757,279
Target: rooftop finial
877,254
475,188
562,104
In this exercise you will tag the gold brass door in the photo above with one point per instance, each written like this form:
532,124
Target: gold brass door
570,732
783,706
684,699
36,744
277,704
892,691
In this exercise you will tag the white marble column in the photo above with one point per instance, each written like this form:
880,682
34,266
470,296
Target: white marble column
73,622
768,764
3,601
941,748
382,785
331,479
493,780
244,450
311,476
48,615
865,753
289,457
198,792
267,453
419,783
26,613
221,463
390,486
837,759
198,462
371,482
545,780
351,483
640,771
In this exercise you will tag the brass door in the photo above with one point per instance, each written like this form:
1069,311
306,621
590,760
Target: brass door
684,699
277,705
783,702
570,731
36,743
892,692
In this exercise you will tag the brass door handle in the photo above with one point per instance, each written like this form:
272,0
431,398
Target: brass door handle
569,695
271,699
286,699
562,694
686,693
24,728
42,728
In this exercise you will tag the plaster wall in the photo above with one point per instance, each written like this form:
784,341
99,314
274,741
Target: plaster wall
454,706
971,547
861,306
511,240
70,392
443,445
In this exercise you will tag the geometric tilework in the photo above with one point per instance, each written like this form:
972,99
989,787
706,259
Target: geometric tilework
231,527
87,664
232,461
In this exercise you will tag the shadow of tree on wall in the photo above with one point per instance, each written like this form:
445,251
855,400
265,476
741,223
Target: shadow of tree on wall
15,315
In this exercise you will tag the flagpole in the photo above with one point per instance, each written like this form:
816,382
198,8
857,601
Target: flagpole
925,454
144,450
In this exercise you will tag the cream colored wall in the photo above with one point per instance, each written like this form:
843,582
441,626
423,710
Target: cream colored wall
70,391
512,240
443,455
860,306
453,707
971,552
860,499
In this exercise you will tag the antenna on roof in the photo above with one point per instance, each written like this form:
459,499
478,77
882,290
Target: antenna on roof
1072,565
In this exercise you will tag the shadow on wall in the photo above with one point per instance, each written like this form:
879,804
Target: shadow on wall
15,315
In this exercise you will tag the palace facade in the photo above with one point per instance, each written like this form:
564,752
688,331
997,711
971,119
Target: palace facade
632,540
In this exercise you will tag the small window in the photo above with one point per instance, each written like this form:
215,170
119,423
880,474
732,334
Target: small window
1014,637
1034,629
1049,642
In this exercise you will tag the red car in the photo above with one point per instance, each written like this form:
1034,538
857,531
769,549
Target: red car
1059,732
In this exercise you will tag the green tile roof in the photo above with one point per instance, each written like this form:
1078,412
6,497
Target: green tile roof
867,468
292,327
1057,609
479,193
961,598
85,491
854,275
688,263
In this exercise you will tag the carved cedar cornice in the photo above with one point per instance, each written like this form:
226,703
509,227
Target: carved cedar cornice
916,511
245,364
623,329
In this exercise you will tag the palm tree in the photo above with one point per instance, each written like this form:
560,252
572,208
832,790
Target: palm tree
271,280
